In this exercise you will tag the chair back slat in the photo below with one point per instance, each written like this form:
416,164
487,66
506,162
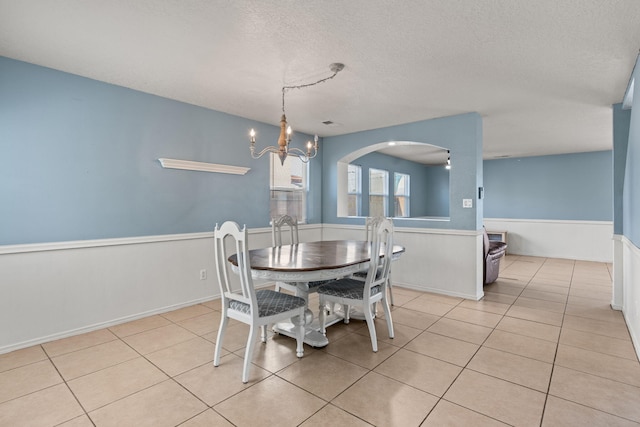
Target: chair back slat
279,226
246,293
370,225
380,266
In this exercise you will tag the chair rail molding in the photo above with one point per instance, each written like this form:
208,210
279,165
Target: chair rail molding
202,166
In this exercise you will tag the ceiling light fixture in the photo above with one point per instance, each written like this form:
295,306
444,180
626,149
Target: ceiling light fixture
283,150
448,165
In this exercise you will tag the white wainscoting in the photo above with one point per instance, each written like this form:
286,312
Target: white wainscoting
631,289
443,261
579,240
54,290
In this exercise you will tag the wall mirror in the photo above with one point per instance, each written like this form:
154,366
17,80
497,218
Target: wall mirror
400,179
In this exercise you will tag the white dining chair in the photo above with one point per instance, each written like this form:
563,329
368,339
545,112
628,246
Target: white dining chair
256,308
352,292
280,227
370,225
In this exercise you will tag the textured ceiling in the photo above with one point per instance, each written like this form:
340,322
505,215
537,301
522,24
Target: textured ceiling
543,74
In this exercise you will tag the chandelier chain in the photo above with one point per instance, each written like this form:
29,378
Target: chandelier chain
286,88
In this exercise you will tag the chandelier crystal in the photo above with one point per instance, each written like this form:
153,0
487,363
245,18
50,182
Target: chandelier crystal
282,149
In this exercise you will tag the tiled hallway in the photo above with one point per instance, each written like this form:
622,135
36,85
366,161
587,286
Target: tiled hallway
542,348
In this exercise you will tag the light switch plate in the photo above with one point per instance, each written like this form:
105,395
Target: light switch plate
467,203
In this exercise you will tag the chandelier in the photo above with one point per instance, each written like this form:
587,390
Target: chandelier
283,150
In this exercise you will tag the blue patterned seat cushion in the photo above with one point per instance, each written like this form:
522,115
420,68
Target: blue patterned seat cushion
346,288
363,274
270,303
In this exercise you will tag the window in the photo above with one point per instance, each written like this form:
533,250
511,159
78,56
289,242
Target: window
354,190
288,188
378,192
401,193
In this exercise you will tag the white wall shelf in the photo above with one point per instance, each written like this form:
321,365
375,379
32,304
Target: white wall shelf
202,166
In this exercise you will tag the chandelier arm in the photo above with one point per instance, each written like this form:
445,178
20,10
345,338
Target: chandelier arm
264,151
300,153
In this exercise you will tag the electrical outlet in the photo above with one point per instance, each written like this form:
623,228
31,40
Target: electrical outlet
203,274
467,203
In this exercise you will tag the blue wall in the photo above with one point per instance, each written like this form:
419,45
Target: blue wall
631,192
621,120
461,134
79,161
562,187
428,184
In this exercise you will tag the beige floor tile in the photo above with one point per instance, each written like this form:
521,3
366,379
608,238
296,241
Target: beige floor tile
335,375
48,407
444,348
415,319
486,395
159,338
203,324
235,337
538,304
21,357
611,367
214,304
476,317
78,342
341,329
600,343
499,287
88,360
443,299
400,299
27,379
208,418
426,305
486,305
603,296
406,291
186,313
184,356
427,374
575,301
560,412
452,415
81,421
605,314
464,331
529,328
511,367
535,315
227,379
402,333
596,392
356,348
398,405
108,385
522,345
550,282
139,325
277,353
562,291
255,405
499,298
594,326
544,296
333,416
164,404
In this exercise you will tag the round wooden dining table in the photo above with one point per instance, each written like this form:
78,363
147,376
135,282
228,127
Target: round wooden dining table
307,262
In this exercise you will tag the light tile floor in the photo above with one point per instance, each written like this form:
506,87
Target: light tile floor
543,348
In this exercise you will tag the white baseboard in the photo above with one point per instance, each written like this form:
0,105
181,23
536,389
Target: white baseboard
578,240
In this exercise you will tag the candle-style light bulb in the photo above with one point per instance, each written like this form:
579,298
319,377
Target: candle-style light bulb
252,135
